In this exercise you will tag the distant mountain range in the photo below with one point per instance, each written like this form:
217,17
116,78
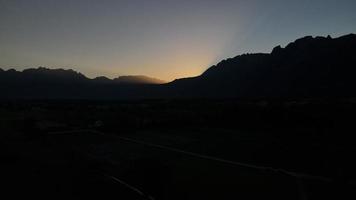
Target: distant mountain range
140,79
44,75
308,67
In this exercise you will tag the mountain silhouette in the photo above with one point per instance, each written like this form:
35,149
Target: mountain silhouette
308,67
140,79
46,83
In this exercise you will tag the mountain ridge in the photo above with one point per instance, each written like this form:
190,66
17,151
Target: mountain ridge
62,74
309,67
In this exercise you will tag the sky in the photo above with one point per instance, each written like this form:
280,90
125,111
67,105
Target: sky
160,38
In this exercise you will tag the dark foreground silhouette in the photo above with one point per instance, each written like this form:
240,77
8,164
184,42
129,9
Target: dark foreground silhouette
178,149
308,67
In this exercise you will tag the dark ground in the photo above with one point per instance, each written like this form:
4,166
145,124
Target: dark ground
182,149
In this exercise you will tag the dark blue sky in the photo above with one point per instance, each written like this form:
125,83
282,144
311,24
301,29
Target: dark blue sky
161,38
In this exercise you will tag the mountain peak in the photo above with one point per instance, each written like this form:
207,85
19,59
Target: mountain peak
138,79
59,72
102,79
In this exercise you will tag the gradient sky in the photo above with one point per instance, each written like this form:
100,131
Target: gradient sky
160,38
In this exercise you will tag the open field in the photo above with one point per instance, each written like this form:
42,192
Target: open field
80,152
